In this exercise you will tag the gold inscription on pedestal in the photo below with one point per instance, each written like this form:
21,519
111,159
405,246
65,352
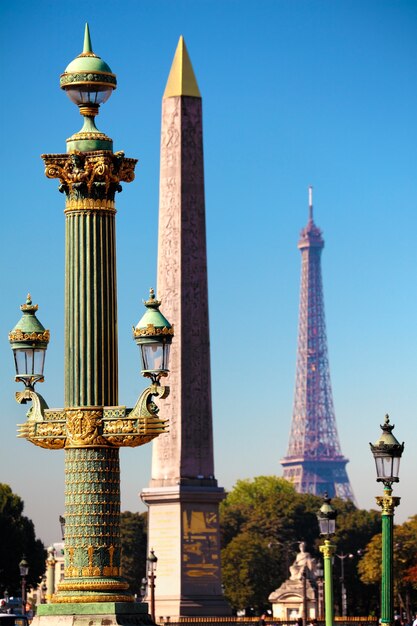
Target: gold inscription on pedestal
200,549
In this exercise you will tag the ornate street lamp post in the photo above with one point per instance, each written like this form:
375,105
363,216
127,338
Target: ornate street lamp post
327,522
152,561
320,599
343,593
24,570
92,426
62,525
387,452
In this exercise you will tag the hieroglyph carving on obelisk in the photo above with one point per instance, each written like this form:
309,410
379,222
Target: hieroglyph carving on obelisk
183,496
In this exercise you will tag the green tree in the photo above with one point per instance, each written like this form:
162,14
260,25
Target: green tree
266,511
18,538
369,567
269,506
404,563
249,572
133,530
262,521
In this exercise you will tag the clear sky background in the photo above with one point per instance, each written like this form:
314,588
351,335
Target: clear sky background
295,92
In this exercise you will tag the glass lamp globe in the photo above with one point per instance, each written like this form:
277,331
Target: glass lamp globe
88,80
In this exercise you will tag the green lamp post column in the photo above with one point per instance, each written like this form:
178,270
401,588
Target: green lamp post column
327,521
92,426
90,175
387,452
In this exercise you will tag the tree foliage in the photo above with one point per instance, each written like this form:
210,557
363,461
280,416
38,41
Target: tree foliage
249,568
262,522
18,538
269,506
133,529
370,565
404,564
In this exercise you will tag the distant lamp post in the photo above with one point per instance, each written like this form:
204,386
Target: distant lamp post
327,522
152,561
24,570
62,524
343,592
143,587
387,453
320,599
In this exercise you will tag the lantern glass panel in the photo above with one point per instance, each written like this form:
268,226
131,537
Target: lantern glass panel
152,356
29,361
39,361
24,361
387,467
89,94
396,466
167,348
327,526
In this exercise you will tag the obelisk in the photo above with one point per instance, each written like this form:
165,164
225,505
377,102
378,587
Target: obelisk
183,496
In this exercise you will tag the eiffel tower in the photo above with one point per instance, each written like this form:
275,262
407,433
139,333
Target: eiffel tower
314,462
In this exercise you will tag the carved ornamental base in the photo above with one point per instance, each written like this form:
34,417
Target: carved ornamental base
93,614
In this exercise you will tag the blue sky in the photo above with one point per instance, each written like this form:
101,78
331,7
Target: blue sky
295,92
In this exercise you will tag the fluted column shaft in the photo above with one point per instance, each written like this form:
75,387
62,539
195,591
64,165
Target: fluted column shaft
90,309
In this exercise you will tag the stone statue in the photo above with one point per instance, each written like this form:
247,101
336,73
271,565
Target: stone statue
303,561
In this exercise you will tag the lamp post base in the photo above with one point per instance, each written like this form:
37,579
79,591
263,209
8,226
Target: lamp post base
93,614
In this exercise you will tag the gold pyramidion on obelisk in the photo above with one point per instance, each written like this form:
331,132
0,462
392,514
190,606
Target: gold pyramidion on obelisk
181,79
183,496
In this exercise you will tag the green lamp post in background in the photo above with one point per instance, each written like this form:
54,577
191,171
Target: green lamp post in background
387,452
92,426
24,571
327,522
152,560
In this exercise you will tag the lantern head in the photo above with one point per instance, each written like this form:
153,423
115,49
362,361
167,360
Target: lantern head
327,518
29,341
387,452
153,334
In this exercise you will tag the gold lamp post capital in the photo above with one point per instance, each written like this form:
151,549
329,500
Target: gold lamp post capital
328,549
